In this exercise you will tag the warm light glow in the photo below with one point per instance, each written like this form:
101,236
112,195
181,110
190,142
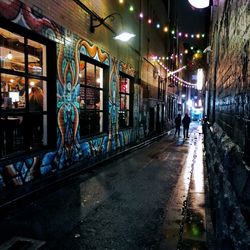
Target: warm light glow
149,21
199,3
121,1
165,29
185,51
32,84
9,56
125,36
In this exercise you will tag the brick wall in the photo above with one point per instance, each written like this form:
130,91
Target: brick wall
228,136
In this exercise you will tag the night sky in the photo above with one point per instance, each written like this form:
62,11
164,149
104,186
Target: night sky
191,19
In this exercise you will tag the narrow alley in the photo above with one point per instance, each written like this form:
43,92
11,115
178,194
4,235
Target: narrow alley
151,198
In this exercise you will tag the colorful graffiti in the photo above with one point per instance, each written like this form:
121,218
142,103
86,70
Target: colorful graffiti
70,148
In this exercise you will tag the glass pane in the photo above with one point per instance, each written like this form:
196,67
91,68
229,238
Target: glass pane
93,98
11,135
91,122
82,72
99,101
37,95
124,102
11,51
124,85
12,92
82,97
36,58
99,77
35,127
91,77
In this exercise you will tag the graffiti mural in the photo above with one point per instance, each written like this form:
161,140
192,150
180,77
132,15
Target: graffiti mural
70,148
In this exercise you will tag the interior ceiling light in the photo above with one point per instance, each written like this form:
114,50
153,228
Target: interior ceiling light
10,56
200,4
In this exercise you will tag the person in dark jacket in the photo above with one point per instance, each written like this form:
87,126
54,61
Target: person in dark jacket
185,122
177,124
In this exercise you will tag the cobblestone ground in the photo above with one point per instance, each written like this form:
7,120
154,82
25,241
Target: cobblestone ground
138,201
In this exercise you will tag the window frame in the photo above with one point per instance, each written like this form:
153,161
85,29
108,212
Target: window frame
104,89
131,95
50,79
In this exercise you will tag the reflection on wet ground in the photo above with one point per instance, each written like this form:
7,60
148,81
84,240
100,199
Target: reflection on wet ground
186,227
153,198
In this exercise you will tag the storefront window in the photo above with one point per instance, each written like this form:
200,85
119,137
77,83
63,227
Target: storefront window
125,99
91,99
23,77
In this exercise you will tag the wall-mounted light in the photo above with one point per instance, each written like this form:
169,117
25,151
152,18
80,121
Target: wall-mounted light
123,36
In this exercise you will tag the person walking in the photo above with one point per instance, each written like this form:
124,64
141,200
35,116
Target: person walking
185,122
177,124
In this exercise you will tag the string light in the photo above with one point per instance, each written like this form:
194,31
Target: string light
181,34
165,29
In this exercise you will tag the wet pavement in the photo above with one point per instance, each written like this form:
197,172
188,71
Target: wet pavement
152,198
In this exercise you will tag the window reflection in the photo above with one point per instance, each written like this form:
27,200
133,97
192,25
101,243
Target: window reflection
11,51
91,99
23,116
12,92
36,56
125,97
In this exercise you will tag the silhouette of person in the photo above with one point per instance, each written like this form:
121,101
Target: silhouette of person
34,120
186,121
177,124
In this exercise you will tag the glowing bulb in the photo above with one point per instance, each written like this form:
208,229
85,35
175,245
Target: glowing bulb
165,29
149,20
200,4
131,8
9,56
32,84
158,25
120,1
141,15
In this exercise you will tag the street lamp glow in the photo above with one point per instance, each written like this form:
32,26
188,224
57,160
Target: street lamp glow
200,4
124,37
